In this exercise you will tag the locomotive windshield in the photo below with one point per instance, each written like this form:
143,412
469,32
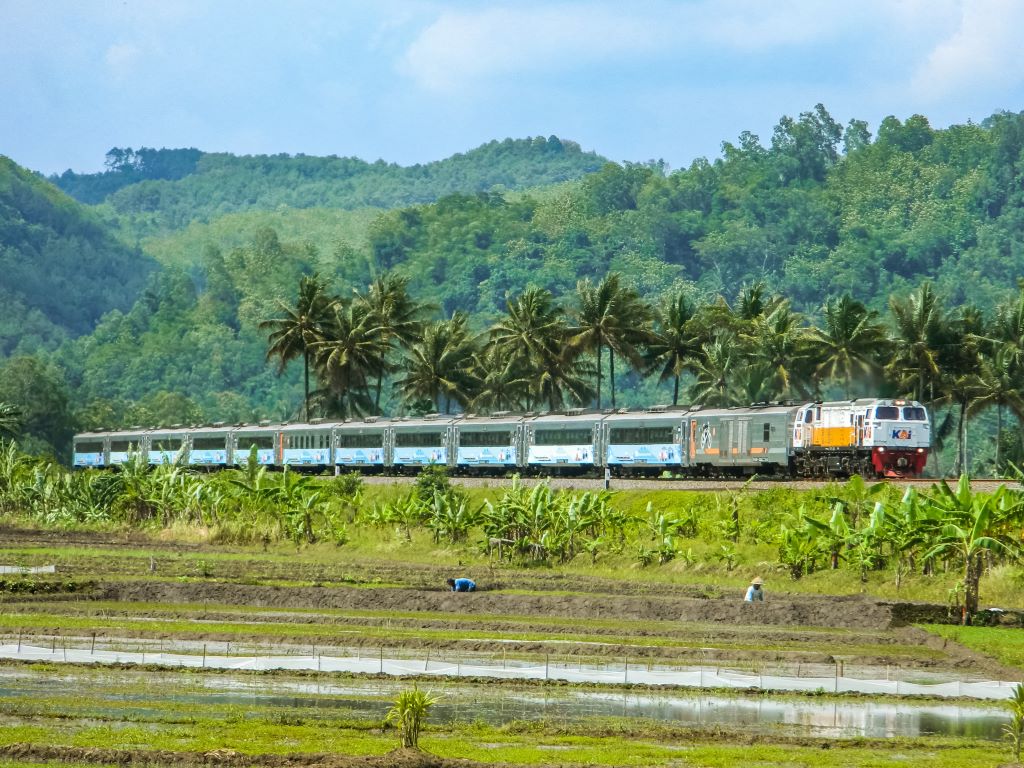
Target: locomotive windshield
889,412
914,413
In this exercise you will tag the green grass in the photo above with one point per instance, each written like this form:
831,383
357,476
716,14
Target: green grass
1006,644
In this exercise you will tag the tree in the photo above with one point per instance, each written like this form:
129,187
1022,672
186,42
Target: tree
535,331
39,391
610,315
499,381
352,348
437,367
998,384
300,327
714,370
921,332
851,343
673,346
776,340
396,313
971,524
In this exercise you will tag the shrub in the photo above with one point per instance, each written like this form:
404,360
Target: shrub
409,713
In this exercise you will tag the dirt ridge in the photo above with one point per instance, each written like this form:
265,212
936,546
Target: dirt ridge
849,612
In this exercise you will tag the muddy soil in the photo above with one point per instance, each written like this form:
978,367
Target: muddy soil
853,612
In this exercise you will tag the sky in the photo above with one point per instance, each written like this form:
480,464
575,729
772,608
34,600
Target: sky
413,81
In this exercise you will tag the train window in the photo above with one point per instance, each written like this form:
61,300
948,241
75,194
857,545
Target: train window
348,440
88,447
483,439
167,444
767,432
914,413
808,416
208,444
890,412
259,442
641,435
121,446
418,439
562,437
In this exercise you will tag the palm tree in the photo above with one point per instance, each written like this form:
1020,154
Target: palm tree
776,340
396,313
611,315
10,419
499,381
851,343
998,384
1008,325
921,333
673,346
437,366
298,328
714,369
352,349
535,334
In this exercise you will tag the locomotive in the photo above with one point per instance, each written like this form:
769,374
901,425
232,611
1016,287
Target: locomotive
869,436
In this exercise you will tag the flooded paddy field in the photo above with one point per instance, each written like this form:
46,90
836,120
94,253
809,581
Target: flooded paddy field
596,647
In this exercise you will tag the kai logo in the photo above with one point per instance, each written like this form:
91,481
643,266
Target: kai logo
901,434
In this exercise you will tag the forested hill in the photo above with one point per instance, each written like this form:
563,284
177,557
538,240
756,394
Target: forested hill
817,210
167,189
60,268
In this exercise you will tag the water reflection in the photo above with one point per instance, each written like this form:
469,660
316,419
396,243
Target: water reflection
501,704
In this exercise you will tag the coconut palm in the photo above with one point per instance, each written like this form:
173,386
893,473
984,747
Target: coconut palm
921,333
437,366
352,349
715,368
396,313
611,316
777,341
998,384
535,334
851,343
673,346
499,381
298,328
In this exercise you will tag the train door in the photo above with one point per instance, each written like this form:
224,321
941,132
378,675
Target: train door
450,449
693,441
743,442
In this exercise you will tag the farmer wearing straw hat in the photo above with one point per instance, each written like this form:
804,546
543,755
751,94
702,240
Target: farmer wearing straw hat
754,592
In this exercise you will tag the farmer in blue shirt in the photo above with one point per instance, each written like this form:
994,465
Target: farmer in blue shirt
461,585
754,592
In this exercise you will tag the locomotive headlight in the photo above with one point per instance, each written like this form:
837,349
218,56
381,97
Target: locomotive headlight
882,449
920,450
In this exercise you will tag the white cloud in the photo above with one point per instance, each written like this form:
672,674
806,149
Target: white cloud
983,53
464,46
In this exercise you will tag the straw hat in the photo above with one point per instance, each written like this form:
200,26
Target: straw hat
757,581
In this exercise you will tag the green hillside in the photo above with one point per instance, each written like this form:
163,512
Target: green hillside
157,190
61,268
818,210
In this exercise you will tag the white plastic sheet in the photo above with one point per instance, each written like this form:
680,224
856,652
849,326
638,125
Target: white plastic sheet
697,677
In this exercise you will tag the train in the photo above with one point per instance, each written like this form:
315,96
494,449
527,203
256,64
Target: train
867,436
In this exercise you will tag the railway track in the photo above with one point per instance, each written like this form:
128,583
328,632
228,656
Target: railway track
621,484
